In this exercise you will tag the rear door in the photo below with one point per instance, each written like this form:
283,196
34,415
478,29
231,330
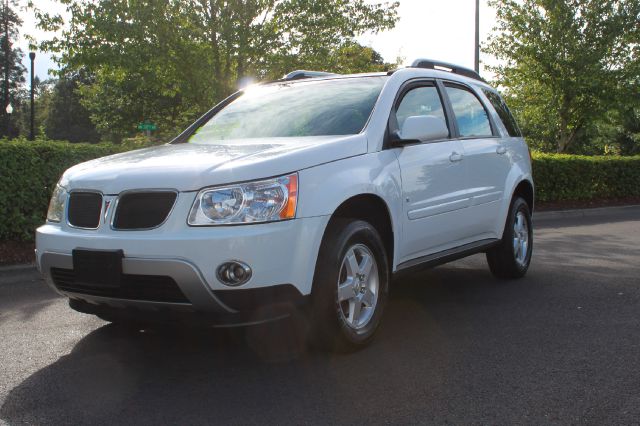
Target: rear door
486,159
433,177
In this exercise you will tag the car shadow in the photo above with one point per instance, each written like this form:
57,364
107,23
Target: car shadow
243,376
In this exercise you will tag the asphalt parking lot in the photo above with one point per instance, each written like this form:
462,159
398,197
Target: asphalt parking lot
561,346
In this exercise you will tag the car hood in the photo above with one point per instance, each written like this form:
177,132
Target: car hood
189,167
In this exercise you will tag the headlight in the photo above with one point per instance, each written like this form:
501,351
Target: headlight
260,201
56,205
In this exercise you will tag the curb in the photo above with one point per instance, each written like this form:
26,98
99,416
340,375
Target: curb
593,212
17,268
538,217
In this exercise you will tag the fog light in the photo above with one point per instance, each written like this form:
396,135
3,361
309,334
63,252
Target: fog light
233,273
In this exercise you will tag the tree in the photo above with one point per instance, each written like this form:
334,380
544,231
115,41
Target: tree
565,63
170,60
11,68
66,118
352,57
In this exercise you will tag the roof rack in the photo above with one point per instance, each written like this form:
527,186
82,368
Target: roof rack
301,74
444,66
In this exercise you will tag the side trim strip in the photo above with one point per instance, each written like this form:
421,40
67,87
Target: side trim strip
444,256
441,208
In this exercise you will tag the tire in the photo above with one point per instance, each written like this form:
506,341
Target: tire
348,299
505,260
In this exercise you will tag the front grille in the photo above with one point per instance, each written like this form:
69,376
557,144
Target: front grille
150,288
143,210
84,209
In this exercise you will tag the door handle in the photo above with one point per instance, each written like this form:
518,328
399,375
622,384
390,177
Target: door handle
455,157
501,150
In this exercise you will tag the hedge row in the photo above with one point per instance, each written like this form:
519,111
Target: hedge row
560,177
29,171
28,174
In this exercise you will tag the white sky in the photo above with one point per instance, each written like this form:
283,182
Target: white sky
435,29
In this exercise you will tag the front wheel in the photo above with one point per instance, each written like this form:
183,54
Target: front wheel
351,286
511,258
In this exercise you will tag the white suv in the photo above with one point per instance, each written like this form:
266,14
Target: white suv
312,191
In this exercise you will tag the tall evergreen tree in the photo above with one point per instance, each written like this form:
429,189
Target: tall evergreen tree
11,68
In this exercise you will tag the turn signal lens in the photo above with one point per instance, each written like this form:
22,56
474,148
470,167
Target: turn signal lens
289,210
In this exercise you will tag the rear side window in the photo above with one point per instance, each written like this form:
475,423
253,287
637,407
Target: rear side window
471,116
423,100
503,112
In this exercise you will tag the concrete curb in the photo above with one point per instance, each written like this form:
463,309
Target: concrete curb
537,216
594,212
17,268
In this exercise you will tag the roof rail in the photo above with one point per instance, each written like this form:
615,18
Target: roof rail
301,74
444,66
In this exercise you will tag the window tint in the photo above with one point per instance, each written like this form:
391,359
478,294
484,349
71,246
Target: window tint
306,108
420,101
503,112
470,115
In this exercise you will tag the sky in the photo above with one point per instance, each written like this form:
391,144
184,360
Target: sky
434,29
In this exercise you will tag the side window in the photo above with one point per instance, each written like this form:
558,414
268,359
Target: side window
423,100
503,112
470,115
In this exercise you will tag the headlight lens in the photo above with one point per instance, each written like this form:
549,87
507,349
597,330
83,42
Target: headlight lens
261,201
56,205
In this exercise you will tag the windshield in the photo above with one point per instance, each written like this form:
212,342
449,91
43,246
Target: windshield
311,108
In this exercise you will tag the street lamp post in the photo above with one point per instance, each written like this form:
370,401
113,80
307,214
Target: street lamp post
32,135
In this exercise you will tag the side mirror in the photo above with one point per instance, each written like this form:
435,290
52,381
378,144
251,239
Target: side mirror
423,128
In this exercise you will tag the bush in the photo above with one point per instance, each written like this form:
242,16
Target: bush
30,170
561,177
28,173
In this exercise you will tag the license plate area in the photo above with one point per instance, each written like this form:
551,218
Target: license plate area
98,268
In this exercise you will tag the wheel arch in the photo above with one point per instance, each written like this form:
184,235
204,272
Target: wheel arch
525,189
522,186
370,208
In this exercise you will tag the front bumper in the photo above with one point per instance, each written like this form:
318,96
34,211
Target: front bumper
282,256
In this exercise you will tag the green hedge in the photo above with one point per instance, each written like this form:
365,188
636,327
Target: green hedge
28,173
560,177
29,170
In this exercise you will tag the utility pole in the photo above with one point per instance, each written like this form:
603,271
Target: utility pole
477,46
32,133
5,16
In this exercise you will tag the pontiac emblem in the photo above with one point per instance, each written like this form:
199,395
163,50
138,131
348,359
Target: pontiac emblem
107,203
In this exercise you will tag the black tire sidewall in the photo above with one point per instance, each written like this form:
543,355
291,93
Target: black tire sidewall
519,205
327,310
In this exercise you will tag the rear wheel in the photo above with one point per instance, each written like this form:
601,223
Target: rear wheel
511,258
351,286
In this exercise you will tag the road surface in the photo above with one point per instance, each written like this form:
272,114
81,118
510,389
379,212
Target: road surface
456,346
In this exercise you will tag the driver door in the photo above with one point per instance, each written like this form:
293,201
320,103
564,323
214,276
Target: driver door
433,179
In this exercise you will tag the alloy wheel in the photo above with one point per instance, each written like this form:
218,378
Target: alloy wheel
358,286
